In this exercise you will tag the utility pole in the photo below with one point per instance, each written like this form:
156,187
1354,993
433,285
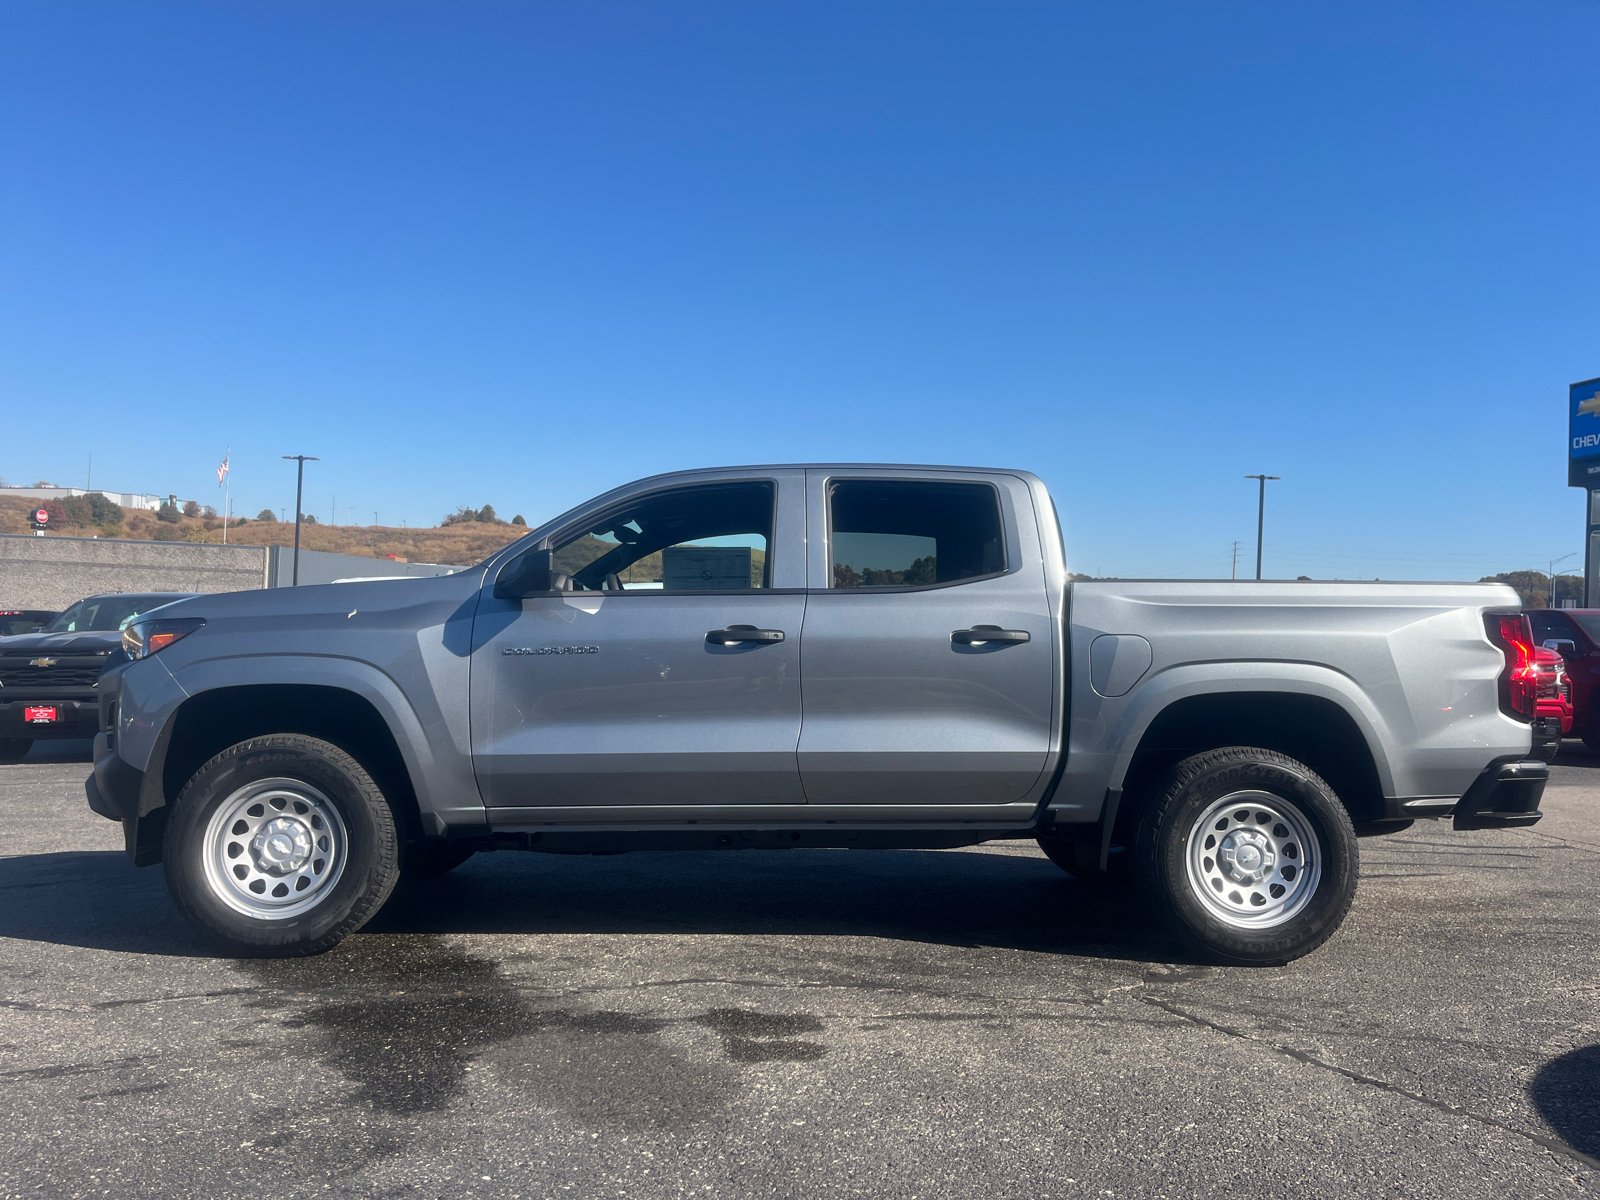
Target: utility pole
1261,516
300,461
1236,560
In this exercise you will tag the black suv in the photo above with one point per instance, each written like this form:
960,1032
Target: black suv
48,680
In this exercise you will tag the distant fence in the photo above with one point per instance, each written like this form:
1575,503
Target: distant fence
53,572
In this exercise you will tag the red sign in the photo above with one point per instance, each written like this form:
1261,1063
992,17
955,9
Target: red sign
44,714
42,516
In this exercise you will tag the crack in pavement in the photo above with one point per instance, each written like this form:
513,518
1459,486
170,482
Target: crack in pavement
57,1072
1553,1144
174,999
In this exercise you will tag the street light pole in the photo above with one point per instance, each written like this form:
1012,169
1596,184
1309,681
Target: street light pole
1261,516
1553,562
300,461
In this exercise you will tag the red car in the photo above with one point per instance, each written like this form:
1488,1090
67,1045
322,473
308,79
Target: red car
1553,703
1574,633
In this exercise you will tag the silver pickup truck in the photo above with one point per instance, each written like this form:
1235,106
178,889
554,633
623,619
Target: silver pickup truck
811,656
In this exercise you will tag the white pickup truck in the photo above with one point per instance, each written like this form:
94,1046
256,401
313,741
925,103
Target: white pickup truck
811,656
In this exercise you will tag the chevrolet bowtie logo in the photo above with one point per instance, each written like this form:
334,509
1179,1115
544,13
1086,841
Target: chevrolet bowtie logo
43,662
1590,407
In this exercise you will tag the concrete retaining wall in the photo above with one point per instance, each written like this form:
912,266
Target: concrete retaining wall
53,572
318,566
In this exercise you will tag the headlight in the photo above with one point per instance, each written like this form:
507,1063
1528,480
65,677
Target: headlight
144,638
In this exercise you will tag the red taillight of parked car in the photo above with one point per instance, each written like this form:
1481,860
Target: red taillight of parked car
1519,682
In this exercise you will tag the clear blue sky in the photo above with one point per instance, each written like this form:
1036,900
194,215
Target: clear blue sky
520,253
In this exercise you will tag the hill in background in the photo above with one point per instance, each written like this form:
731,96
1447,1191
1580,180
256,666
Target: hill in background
459,543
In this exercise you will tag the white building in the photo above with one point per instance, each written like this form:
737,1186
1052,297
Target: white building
125,499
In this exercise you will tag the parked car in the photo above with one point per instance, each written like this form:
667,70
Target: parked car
49,681
1553,712
629,676
1574,633
24,620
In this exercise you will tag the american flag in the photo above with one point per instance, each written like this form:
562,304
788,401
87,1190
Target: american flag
222,471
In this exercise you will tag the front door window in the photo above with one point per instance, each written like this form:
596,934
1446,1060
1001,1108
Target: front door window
711,539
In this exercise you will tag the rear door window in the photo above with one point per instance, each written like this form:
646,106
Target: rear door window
910,533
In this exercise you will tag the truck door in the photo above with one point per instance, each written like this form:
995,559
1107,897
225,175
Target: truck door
667,669
928,649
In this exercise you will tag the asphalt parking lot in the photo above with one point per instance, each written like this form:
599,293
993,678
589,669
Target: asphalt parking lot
801,1024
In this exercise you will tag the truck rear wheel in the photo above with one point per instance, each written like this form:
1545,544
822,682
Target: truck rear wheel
1247,856
280,846
14,749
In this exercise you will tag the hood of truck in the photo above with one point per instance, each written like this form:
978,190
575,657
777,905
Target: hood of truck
46,644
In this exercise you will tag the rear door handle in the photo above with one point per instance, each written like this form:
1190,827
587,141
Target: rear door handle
988,633
742,633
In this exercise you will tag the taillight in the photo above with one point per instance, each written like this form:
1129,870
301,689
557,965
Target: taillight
1519,682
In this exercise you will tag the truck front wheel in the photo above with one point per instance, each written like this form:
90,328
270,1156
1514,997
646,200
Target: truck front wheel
280,846
1247,856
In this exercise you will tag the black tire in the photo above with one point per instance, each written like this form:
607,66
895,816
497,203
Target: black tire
1061,852
1272,902
1591,737
14,750
432,858
335,784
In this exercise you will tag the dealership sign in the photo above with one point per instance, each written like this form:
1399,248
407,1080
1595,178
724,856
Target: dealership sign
1583,434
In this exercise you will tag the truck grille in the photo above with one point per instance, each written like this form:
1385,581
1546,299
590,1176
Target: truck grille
19,675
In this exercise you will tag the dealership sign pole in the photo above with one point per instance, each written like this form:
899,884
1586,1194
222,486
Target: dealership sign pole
1583,470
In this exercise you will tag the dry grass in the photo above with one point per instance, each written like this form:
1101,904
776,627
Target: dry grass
456,545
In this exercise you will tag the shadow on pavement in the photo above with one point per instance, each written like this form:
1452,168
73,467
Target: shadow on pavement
91,898
99,900
1576,754
63,750
944,897
1567,1093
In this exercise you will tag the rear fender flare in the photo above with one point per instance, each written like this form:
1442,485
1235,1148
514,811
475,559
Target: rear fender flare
1159,692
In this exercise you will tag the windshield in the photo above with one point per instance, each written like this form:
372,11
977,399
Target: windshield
105,614
1588,622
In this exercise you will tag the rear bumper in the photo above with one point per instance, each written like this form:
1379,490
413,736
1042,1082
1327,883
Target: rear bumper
1506,795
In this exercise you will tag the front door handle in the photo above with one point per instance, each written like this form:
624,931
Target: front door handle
742,633
988,633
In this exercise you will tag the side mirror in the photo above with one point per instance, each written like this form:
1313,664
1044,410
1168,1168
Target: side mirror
1562,646
528,575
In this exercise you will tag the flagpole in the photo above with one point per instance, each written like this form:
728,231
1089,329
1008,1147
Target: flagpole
226,490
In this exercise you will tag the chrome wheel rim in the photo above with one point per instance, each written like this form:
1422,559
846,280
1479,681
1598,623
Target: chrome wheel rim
1253,860
274,849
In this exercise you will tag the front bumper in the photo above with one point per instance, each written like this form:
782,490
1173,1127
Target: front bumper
76,718
1505,796
116,791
